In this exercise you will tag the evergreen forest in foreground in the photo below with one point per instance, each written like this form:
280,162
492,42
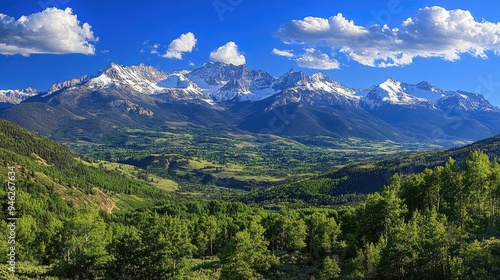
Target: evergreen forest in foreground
81,220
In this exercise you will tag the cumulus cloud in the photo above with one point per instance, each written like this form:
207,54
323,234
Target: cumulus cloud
185,43
433,32
52,31
285,53
315,59
228,54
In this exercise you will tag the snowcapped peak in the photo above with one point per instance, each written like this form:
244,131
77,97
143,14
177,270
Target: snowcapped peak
424,85
318,89
112,65
392,88
291,79
141,78
424,95
453,101
225,82
31,90
391,80
219,66
16,96
219,63
391,83
394,92
319,76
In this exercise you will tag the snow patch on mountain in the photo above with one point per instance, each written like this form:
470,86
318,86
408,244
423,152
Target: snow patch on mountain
142,78
217,82
395,92
16,96
425,95
227,82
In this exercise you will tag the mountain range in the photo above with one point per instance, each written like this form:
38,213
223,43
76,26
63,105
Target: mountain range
236,98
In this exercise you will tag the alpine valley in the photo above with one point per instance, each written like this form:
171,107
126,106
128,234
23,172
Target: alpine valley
377,167
228,126
195,174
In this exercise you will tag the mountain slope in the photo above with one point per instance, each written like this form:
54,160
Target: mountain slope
430,113
351,184
9,97
313,105
369,177
116,98
47,168
318,90
223,82
235,98
298,119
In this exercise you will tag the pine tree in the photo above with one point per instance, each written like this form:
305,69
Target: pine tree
246,256
331,269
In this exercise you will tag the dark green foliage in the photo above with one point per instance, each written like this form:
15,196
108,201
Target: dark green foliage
440,223
80,246
247,256
369,176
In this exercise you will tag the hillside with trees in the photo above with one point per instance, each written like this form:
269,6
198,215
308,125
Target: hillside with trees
440,223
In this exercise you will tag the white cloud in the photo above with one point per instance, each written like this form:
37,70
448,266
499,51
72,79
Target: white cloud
315,59
191,63
154,49
228,54
433,32
285,53
185,43
52,31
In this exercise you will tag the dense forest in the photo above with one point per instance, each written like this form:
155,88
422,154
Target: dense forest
440,223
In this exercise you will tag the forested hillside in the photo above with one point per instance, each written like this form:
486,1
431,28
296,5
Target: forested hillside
353,182
437,224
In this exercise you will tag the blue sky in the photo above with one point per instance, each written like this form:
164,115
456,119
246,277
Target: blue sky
451,44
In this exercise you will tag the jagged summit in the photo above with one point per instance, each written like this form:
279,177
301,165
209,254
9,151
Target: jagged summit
16,96
394,92
219,94
225,82
216,82
141,78
66,84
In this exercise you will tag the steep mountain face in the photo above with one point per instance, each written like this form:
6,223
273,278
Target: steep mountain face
423,95
392,92
427,112
313,105
142,78
223,82
461,101
235,97
16,96
67,84
318,89
178,87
